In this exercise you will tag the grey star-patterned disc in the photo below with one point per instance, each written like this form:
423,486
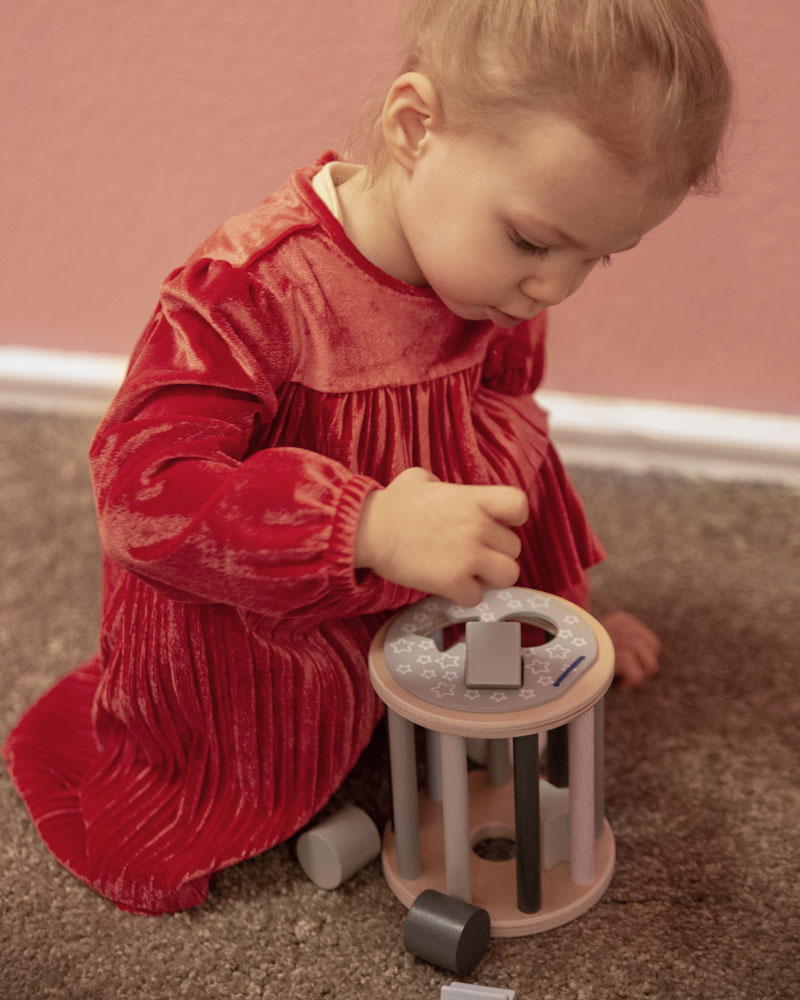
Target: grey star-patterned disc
436,676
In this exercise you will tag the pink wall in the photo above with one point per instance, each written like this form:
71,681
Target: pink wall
131,128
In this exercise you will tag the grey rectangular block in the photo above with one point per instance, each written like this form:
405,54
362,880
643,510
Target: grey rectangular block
494,655
466,991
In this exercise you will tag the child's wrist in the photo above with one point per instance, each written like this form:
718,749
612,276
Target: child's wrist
363,554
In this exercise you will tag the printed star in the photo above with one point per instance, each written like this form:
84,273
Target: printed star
425,658
571,619
472,695
451,675
428,674
579,642
527,693
537,667
546,681
422,619
499,696
426,644
538,601
442,690
408,628
557,651
447,660
404,668
402,646
566,633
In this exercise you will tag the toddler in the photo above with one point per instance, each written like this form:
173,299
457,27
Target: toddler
330,414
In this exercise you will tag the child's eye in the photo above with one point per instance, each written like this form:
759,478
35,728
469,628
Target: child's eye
526,246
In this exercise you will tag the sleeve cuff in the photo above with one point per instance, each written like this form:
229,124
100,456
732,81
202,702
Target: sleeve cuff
344,528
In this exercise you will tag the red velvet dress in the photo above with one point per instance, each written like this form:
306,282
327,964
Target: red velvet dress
281,378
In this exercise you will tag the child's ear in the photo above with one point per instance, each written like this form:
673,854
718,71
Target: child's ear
411,112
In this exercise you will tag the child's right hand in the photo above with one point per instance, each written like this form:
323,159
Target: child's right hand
442,538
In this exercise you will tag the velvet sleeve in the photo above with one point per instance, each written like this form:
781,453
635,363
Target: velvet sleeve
187,502
515,360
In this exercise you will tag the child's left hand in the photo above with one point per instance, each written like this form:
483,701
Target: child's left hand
636,648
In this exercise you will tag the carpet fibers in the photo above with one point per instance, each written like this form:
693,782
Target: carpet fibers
703,778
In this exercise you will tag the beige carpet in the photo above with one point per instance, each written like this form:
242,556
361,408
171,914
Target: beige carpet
703,778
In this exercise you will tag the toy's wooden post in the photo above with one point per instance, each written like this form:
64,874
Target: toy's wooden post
403,763
497,762
455,810
433,755
581,798
557,757
599,768
526,816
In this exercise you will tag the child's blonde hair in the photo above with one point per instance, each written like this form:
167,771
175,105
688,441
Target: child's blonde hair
646,78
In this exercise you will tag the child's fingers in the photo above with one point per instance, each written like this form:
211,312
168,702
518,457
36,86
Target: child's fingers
627,628
498,571
633,669
502,539
652,641
648,658
491,571
628,670
503,503
636,648
466,592
643,636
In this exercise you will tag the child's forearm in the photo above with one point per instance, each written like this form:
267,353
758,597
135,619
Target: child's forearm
272,534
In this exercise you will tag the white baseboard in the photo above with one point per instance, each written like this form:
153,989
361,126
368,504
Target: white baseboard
631,434
643,435
75,382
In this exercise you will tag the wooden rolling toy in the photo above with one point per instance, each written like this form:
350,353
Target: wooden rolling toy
490,687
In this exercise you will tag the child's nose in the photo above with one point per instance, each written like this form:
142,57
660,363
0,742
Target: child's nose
550,286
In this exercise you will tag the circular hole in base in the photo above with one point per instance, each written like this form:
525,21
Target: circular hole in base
496,849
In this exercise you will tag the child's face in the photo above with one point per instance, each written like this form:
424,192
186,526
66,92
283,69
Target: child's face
505,225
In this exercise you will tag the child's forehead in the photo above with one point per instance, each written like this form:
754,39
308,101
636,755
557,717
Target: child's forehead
531,151
532,132
530,137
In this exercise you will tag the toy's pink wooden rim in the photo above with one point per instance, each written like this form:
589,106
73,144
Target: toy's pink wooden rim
584,693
